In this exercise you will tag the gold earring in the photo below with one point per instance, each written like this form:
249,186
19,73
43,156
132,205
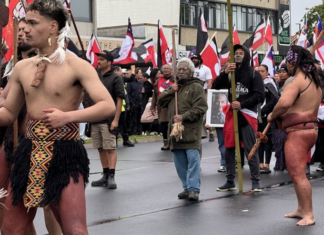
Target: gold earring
49,41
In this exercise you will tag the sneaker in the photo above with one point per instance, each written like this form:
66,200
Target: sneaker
320,167
256,187
228,186
127,143
111,182
222,169
193,196
101,182
183,195
211,137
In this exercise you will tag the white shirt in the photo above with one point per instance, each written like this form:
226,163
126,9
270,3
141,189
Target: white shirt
203,73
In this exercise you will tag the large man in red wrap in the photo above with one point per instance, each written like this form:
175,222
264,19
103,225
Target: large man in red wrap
296,112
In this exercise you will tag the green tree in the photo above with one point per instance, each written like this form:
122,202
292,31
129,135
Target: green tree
312,17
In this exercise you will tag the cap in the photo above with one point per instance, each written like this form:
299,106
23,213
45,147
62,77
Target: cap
124,70
239,46
283,67
197,56
106,54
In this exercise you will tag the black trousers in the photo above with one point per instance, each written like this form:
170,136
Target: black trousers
135,121
122,128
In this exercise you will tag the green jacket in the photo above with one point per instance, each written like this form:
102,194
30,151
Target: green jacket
192,105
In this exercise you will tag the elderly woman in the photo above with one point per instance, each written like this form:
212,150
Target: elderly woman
192,106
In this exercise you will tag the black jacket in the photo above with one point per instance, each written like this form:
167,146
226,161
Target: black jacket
148,92
134,92
249,85
115,85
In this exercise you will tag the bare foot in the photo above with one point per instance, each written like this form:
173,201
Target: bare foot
295,214
306,221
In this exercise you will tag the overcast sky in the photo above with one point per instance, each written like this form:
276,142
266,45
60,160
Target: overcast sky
298,10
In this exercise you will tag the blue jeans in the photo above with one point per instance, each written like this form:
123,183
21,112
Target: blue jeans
221,144
187,163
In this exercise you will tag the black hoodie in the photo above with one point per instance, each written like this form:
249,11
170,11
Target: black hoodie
249,84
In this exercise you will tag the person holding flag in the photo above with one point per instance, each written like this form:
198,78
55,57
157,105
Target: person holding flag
249,93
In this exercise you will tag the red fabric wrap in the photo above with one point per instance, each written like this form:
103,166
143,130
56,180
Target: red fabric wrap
228,130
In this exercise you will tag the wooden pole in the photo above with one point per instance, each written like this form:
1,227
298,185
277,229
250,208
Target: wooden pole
7,3
236,133
15,59
174,65
77,32
207,44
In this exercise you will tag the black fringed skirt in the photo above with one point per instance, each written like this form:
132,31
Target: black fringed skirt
44,162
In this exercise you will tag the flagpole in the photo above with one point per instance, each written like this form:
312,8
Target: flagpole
94,34
15,59
77,32
174,61
207,44
23,5
236,133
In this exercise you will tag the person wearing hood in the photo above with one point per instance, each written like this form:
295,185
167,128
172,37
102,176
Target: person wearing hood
249,93
192,106
103,133
283,76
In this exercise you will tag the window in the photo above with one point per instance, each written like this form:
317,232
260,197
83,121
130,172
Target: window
234,15
188,15
211,18
250,19
82,10
218,15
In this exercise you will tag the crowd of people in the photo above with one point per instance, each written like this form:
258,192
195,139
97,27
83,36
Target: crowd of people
50,165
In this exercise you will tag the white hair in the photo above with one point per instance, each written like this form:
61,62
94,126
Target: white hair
189,62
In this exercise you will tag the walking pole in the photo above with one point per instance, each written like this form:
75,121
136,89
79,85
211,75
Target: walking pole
177,127
236,133
77,32
15,55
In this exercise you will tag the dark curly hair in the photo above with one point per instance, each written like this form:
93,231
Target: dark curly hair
303,59
52,9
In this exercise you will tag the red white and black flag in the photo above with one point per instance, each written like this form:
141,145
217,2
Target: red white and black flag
162,47
72,48
209,55
210,58
150,52
302,41
225,50
257,38
17,10
268,33
202,35
126,55
93,48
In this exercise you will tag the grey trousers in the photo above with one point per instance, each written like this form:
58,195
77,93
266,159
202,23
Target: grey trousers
247,135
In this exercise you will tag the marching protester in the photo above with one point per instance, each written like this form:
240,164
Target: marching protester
122,127
249,93
271,98
203,73
297,111
52,101
283,76
192,106
135,96
104,132
162,84
147,90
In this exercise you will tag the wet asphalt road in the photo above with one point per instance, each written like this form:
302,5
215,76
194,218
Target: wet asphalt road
146,202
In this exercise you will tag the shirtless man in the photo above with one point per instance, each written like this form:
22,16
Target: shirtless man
297,111
52,113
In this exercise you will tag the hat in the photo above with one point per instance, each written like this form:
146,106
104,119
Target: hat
124,70
197,56
106,54
239,46
283,67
